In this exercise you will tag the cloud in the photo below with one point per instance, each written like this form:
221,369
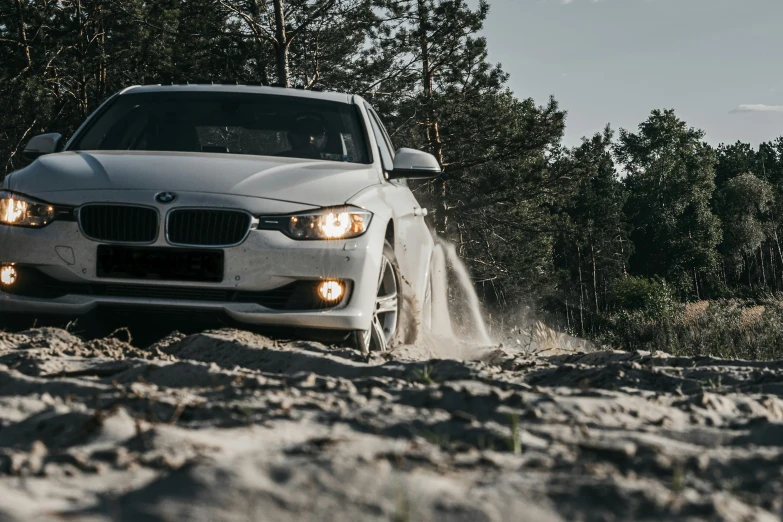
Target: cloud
757,108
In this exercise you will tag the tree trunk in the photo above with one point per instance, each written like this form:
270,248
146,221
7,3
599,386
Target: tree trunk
428,78
581,293
763,270
83,92
432,129
595,278
281,45
777,244
261,65
622,256
103,75
23,34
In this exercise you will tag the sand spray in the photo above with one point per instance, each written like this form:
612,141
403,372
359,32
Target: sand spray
456,310
458,328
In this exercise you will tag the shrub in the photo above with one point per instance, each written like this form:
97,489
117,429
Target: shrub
650,299
732,329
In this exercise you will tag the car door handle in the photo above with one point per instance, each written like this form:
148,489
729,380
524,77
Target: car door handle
419,212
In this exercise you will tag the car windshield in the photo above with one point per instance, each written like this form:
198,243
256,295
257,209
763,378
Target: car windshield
229,123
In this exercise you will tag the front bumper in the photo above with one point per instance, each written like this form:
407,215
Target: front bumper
266,260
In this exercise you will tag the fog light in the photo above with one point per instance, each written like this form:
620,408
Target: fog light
7,275
331,291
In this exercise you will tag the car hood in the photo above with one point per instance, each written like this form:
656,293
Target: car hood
309,182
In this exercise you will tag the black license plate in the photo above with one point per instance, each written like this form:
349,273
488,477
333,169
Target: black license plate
163,264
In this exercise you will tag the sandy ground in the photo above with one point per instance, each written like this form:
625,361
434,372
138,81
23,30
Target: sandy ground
233,426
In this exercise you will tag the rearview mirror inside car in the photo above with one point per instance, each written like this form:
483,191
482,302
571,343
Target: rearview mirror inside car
43,144
414,164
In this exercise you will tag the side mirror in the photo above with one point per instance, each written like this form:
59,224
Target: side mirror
42,144
414,164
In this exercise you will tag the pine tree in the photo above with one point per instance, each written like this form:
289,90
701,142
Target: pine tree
670,182
440,93
301,42
733,160
592,246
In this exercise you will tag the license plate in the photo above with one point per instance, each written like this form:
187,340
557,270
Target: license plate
162,264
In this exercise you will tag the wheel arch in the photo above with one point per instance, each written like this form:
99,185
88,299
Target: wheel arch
389,236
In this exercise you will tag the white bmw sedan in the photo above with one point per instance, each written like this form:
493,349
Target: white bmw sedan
273,206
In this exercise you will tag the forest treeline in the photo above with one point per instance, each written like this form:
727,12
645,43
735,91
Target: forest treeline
627,220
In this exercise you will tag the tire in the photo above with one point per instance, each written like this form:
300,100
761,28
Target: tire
387,316
19,322
15,322
81,325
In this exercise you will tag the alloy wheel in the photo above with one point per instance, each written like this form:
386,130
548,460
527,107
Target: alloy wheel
426,309
385,316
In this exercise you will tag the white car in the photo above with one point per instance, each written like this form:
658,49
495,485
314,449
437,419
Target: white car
274,206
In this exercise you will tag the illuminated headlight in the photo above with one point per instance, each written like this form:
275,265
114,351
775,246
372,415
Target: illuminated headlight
328,223
22,211
7,275
331,291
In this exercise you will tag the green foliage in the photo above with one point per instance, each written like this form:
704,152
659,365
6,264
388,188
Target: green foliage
652,298
731,329
670,186
591,248
642,310
744,203
734,160
749,202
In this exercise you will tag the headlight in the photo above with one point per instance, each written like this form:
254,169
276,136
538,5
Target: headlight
18,210
328,223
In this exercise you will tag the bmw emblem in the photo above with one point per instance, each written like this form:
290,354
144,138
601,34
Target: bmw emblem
165,197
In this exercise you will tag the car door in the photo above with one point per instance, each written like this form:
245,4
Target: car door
414,242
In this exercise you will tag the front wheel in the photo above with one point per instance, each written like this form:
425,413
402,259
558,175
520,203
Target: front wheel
384,330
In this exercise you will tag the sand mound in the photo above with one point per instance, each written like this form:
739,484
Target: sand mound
230,425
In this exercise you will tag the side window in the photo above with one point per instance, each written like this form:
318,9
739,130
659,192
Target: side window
386,137
387,140
387,154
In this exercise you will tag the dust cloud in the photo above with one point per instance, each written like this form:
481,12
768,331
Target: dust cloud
459,329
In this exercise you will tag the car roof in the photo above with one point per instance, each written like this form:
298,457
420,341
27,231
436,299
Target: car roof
245,89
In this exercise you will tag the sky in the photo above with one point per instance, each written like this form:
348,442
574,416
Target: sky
718,63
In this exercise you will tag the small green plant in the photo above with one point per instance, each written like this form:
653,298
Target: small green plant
71,326
403,511
246,410
678,478
438,439
515,441
715,384
424,375
485,443
733,485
